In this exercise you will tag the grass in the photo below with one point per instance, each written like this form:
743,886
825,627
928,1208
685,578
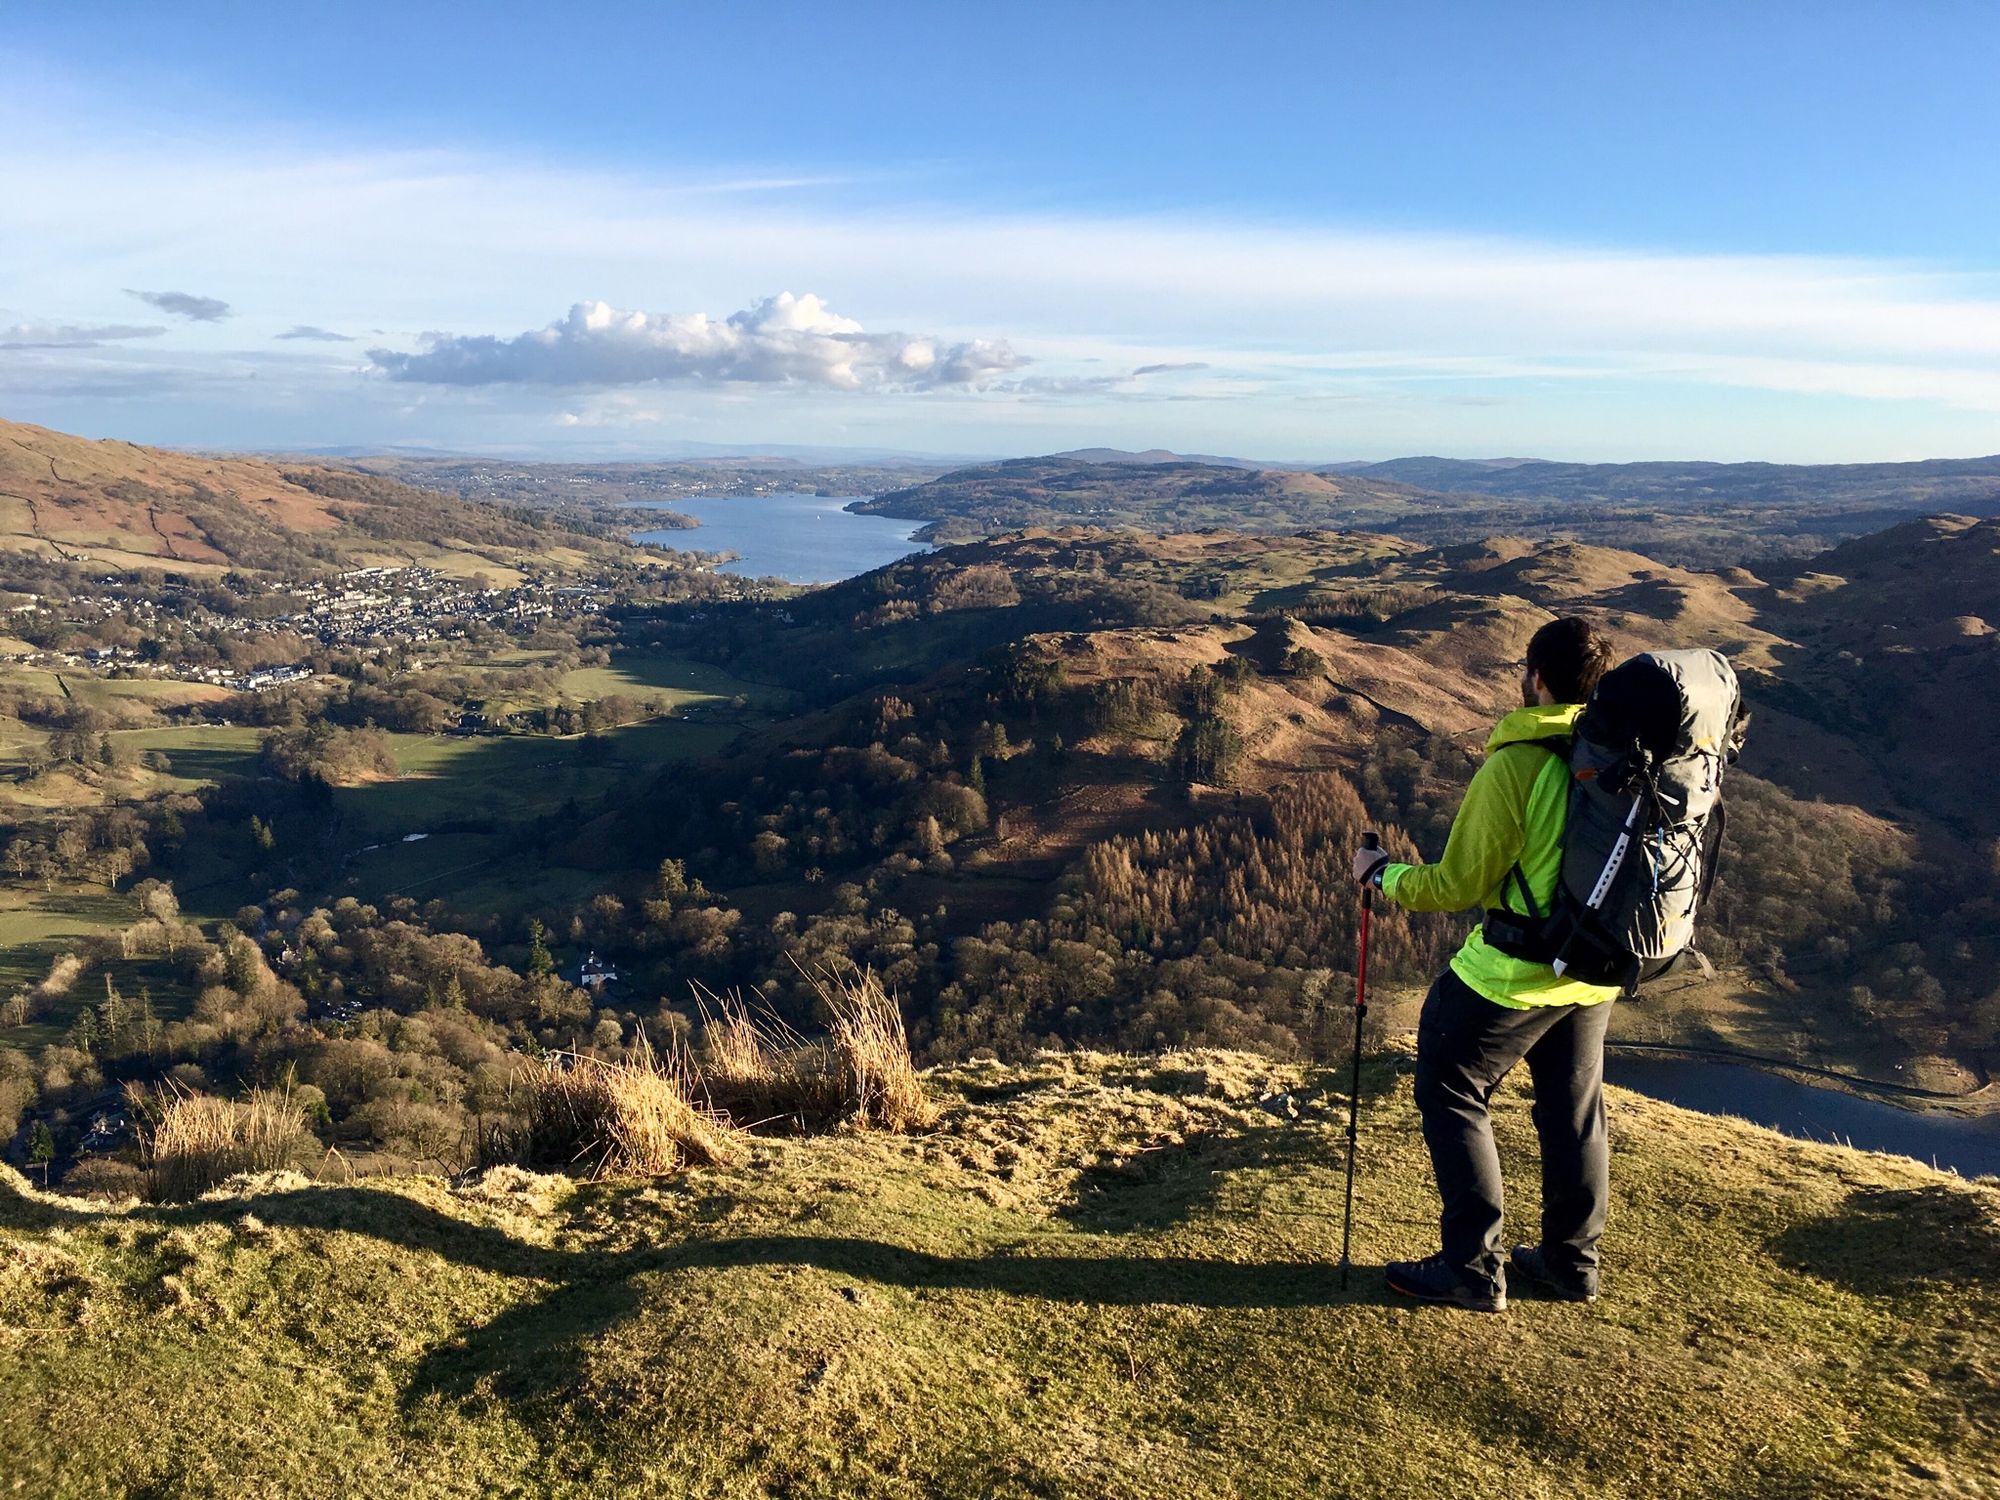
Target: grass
513,778
36,926
199,754
757,1070
32,918
87,686
198,1141
1094,1276
458,562
871,1053
661,674
631,1118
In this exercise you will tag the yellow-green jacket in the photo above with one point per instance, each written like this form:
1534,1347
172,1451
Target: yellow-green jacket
1514,811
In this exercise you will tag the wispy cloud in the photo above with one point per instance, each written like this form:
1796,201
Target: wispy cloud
781,340
185,305
1272,317
72,335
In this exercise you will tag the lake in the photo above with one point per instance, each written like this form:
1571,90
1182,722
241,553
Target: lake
799,538
1970,1147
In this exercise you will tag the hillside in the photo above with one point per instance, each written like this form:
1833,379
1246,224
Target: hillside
600,491
1936,484
1180,495
1157,456
1895,651
1135,709
1687,513
1099,1276
1066,785
121,506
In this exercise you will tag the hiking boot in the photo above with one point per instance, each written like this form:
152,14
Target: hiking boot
1531,1263
1433,1280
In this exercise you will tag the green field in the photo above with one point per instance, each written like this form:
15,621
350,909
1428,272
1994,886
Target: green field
483,784
511,779
155,690
37,925
474,872
199,755
646,674
463,793
1095,1277
87,687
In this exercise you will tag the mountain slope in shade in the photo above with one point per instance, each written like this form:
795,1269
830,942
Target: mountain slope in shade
1898,650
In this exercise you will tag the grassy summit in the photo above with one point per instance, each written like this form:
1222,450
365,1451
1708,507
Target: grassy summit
1096,1276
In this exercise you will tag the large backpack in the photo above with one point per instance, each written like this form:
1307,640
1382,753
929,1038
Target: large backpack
1645,823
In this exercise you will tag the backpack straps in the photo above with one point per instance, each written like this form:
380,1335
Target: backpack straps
1558,746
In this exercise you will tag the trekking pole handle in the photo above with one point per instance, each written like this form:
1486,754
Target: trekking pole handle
1369,840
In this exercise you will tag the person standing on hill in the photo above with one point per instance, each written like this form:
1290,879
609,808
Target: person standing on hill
1489,1010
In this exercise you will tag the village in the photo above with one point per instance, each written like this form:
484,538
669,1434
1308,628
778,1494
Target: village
362,610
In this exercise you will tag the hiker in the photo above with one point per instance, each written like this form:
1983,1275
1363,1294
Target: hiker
1488,1010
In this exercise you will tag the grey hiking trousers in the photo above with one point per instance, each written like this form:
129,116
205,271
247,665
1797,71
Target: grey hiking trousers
1465,1045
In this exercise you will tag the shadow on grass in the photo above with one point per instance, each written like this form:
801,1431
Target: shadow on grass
211,764
1170,1185
534,1352
1882,1241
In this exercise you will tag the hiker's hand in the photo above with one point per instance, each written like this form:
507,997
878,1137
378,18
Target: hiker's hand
1367,862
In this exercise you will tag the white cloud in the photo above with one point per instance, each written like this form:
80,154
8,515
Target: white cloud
782,340
316,335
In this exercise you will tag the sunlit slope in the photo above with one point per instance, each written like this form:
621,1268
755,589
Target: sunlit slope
1098,1276
119,505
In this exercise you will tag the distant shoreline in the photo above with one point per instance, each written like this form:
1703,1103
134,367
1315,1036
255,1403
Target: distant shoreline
1909,1096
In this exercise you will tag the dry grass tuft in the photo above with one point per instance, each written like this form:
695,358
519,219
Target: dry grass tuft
636,1117
878,1082
759,1070
198,1141
740,1054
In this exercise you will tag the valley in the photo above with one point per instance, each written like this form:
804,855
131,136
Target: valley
1064,785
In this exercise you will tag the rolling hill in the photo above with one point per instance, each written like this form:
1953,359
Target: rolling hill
121,506
1130,491
1076,666
1933,484
1067,782
1689,513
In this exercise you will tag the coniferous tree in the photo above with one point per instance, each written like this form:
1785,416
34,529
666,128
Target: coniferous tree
41,1148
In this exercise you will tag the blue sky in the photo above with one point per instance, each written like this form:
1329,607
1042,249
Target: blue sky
1289,231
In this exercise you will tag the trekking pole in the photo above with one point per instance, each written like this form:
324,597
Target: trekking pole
1368,841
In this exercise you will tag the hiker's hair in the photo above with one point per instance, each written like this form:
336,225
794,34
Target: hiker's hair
1569,654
